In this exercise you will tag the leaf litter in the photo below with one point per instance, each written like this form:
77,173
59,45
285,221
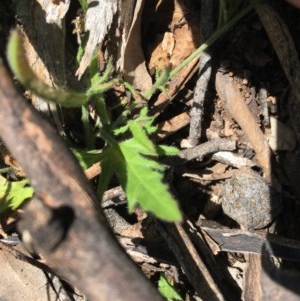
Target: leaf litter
246,63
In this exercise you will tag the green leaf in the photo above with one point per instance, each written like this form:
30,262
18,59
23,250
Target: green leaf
167,290
143,119
166,150
13,194
87,158
142,180
147,121
141,176
84,5
121,130
142,139
96,79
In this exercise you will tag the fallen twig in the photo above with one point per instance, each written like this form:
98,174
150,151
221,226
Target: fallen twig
194,267
207,9
235,105
212,146
232,159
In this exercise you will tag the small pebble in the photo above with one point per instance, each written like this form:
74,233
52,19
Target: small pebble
247,199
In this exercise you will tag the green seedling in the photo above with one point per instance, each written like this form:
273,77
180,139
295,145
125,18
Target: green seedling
134,160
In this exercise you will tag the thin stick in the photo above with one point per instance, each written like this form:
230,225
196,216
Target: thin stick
239,111
200,92
194,267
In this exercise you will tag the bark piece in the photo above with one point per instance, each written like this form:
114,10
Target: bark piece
43,31
99,18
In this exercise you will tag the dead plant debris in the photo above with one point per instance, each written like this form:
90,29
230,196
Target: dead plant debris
237,173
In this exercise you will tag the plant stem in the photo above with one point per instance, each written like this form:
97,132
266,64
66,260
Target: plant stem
217,34
6,169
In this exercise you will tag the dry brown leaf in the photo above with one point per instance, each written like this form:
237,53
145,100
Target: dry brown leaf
168,43
175,45
172,125
132,60
186,37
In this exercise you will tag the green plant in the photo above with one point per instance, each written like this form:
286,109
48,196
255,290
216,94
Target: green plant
133,160
167,289
83,4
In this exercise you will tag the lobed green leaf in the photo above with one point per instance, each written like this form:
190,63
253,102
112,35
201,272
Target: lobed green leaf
135,163
142,139
13,194
142,180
